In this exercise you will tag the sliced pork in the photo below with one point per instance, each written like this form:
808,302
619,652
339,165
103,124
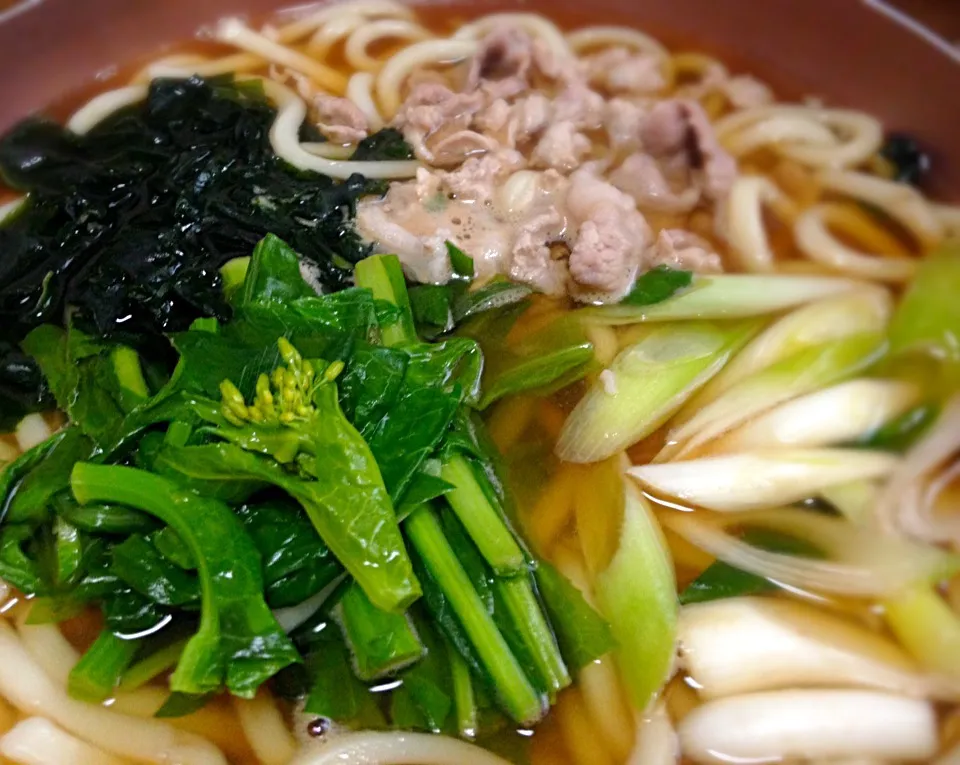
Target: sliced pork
338,119
680,249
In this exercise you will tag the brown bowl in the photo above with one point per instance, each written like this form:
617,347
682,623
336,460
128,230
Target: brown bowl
848,53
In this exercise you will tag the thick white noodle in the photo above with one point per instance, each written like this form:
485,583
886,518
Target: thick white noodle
235,62
37,741
532,23
355,49
948,215
329,150
746,231
333,32
235,32
586,38
776,130
301,27
25,685
284,137
97,109
901,202
398,748
399,66
50,649
814,237
265,729
858,135
360,92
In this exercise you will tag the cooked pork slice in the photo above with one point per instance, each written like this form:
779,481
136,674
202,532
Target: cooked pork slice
681,249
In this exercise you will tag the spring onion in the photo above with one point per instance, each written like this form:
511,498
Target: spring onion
761,478
646,383
730,296
637,593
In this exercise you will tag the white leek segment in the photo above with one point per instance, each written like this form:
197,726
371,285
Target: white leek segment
37,741
865,310
729,296
804,372
929,629
855,501
747,644
646,383
835,415
908,502
637,594
794,724
858,561
762,478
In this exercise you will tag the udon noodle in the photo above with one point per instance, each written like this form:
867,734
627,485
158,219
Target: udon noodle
806,193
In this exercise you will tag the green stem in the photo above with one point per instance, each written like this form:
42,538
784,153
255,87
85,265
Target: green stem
517,695
532,626
465,702
98,672
481,519
381,642
383,275
152,666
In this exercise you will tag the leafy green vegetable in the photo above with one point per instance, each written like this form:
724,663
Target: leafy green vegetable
656,285
380,642
371,551
296,562
30,499
239,643
138,563
456,592
98,672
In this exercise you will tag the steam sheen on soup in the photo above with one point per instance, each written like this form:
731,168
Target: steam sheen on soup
384,389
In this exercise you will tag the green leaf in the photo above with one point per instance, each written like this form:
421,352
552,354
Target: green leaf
656,285
239,643
273,274
138,563
355,528
296,562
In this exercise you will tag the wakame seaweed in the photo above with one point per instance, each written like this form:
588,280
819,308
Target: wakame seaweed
129,224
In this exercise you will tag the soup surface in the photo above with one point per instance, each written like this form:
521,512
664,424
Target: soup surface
399,387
